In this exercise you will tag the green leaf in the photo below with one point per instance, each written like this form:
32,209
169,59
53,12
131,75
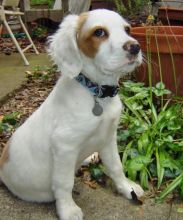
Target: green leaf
170,188
5,127
123,135
143,143
160,90
160,86
166,92
168,138
132,153
135,106
144,178
170,173
136,164
175,147
125,153
160,168
172,126
11,118
181,188
96,171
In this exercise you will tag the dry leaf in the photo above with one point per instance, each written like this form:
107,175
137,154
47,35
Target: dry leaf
91,184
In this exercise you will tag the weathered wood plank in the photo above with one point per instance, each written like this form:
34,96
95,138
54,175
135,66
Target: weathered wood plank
32,15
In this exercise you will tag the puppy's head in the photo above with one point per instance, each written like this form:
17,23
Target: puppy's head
98,41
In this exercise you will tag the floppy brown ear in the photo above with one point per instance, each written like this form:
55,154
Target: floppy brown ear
63,47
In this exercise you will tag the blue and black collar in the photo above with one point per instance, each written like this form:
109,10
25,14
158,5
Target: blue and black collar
100,91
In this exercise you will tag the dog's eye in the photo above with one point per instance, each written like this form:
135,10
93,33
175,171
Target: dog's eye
127,29
100,33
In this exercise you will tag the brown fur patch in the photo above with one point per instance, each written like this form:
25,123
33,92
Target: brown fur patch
5,155
88,43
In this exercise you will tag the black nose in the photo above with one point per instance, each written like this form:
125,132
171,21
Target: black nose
132,47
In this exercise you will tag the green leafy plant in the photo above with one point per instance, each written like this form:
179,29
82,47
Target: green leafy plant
9,122
41,72
97,171
40,32
130,7
151,136
41,2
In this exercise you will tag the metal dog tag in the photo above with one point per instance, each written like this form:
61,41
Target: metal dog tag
97,109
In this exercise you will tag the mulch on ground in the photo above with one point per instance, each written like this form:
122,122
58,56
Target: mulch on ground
7,46
26,101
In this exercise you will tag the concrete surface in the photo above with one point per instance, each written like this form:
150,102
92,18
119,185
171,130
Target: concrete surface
12,70
99,204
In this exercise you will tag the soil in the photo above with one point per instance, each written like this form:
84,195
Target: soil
7,46
26,101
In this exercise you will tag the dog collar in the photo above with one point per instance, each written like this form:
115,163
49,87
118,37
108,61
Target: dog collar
99,91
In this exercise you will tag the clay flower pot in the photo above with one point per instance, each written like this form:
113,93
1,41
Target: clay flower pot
171,15
163,45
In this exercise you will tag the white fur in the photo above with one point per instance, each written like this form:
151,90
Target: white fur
47,149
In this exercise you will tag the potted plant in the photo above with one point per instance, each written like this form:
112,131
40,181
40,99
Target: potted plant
163,48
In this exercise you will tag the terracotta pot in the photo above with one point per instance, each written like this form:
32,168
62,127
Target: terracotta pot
169,42
95,4
171,15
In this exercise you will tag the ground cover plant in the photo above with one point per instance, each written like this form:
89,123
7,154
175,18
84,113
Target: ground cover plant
151,137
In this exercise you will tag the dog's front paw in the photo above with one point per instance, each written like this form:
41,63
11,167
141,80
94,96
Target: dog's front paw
68,211
129,187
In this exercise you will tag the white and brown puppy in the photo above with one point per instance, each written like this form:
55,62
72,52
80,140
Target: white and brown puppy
43,154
